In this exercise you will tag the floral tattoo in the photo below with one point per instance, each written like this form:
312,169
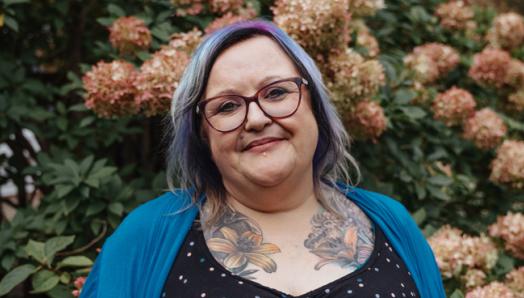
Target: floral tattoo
236,241
346,241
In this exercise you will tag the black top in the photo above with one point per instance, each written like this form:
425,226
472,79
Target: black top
196,273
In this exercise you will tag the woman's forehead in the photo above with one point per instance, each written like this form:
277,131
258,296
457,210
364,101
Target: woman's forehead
249,63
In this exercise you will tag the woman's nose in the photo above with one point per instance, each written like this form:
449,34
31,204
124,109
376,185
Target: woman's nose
255,118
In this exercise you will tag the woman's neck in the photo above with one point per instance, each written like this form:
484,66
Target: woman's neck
284,197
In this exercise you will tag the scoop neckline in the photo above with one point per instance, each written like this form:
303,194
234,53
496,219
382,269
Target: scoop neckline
372,259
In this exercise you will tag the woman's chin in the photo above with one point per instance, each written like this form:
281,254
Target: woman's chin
269,174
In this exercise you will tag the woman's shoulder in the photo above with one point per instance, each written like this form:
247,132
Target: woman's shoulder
146,218
369,197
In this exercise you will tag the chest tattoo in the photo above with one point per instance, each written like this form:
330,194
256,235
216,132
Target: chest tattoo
346,241
237,242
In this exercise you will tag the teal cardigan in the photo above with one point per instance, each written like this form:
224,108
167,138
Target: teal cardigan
135,261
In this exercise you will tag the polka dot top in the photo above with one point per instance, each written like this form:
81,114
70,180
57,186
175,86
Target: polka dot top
196,273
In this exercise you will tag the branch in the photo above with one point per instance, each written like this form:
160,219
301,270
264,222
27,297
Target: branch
87,246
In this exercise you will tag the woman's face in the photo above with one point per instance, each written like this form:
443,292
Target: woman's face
286,146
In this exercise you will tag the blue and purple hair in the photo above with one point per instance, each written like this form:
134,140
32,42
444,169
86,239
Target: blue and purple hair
189,162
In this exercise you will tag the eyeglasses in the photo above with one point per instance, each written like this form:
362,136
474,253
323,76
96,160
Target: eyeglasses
277,100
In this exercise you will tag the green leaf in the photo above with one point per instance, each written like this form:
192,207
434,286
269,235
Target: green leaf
63,190
36,250
76,261
65,278
11,23
86,121
105,21
44,281
404,96
85,164
440,180
457,294
160,33
95,208
116,10
14,277
11,2
116,208
420,215
78,108
414,112
56,244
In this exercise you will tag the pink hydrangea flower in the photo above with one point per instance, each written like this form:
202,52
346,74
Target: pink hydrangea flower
515,281
494,289
129,34
186,41
507,31
455,15
315,25
230,18
490,67
510,228
224,6
485,128
188,7
363,8
367,121
110,89
351,78
431,61
454,106
158,79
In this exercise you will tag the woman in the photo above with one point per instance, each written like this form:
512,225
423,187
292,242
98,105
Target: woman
258,147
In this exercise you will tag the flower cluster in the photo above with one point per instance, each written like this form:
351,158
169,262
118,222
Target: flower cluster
510,228
158,79
515,281
446,244
454,106
315,25
507,31
485,128
508,166
79,284
224,6
110,89
367,121
473,278
494,289
186,41
490,67
515,74
188,7
456,252
230,18
431,61
351,78
129,34
363,8
516,101
365,38
455,15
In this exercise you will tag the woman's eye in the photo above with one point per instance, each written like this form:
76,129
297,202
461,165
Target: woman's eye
228,107
276,93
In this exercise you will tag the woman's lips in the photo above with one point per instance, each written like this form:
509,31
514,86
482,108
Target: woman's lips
262,145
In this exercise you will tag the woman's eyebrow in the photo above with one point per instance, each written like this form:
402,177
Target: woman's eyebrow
266,80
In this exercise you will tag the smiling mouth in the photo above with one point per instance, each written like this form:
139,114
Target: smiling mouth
261,145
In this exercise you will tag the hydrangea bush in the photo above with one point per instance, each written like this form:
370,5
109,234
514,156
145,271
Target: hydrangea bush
431,92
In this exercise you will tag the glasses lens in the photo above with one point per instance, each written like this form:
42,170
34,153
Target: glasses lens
226,112
280,99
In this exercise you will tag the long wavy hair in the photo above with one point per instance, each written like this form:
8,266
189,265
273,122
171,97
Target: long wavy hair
189,162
